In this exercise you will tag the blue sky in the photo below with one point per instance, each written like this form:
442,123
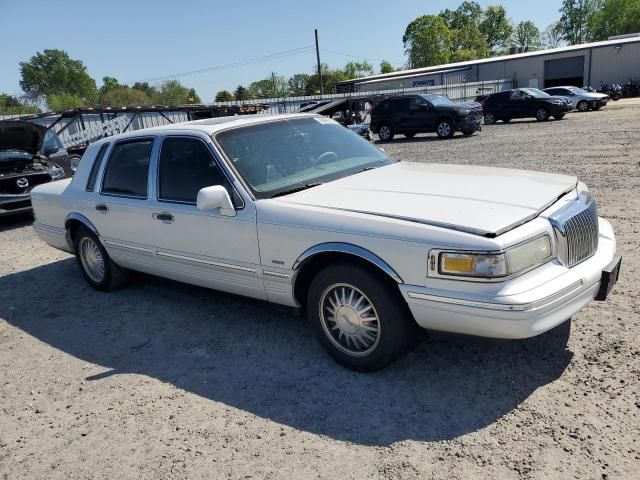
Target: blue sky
138,40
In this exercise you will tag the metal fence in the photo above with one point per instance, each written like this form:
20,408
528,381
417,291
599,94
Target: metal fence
458,92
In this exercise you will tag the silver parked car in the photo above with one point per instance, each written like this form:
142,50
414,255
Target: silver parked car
581,100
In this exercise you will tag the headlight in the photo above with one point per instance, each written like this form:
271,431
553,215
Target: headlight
464,113
472,264
514,260
56,173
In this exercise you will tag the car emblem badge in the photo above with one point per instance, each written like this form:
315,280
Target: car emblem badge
22,182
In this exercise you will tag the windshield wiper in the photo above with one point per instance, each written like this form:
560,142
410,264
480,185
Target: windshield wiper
299,188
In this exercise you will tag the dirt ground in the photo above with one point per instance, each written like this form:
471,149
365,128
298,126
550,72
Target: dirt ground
162,380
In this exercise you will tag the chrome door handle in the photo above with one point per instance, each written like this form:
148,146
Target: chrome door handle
164,217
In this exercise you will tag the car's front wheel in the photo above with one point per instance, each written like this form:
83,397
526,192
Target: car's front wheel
542,114
385,133
357,318
582,106
445,129
96,266
489,119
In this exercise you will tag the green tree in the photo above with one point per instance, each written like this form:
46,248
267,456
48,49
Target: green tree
224,96
64,101
615,17
427,41
496,28
386,67
11,105
149,90
527,35
172,92
464,24
53,72
241,93
124,96
357,69
108,84
192,97
261,89
575,20
552,36
298,84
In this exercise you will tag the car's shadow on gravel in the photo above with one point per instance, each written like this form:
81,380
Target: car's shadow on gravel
15,221
262,359
423,139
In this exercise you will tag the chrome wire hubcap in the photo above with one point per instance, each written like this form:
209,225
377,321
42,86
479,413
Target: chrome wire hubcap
92,259
444,129
349,319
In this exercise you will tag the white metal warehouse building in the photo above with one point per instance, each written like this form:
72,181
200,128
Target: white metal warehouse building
610,61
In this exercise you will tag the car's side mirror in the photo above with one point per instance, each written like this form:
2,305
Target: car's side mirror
51,150
216,197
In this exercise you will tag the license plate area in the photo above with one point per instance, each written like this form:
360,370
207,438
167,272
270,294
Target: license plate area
609,278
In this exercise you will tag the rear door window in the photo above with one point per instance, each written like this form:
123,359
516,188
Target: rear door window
127,171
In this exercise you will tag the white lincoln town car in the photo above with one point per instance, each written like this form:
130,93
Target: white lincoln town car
300,211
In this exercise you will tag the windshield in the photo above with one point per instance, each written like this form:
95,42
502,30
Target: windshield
437,100
284,155
577,90
535,93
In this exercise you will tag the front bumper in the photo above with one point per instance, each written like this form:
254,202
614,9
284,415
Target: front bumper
470,123
14,204
535,310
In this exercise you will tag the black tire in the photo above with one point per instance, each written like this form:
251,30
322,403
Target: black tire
113,275
583,106
395,327
385,132
468,132
445,128
409,135
542,114
489,118
559,117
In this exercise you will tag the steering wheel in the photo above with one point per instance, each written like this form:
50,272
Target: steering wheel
326,157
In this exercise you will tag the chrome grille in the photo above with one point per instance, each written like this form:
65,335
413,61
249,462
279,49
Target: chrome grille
576,227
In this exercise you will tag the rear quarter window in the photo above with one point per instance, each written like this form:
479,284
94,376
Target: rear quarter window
127,170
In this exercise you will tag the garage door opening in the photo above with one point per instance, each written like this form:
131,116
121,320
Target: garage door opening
564,71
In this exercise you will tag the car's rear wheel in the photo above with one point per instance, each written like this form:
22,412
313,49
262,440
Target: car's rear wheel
542,114
358,319
489,119
96,266
559,117
583,106
444,128
386,133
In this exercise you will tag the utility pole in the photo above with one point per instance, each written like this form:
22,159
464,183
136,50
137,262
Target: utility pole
319,65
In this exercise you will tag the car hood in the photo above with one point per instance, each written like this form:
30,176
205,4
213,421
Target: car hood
480,200
22,136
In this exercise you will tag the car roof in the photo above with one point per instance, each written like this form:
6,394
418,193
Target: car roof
209,126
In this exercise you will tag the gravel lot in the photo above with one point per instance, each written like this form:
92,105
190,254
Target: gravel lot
163,380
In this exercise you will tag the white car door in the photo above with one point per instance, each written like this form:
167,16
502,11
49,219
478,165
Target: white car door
121,210
202,247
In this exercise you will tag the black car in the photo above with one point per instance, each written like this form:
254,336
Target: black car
29,156
411,114
524,103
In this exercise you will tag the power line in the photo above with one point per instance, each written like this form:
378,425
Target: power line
272,56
